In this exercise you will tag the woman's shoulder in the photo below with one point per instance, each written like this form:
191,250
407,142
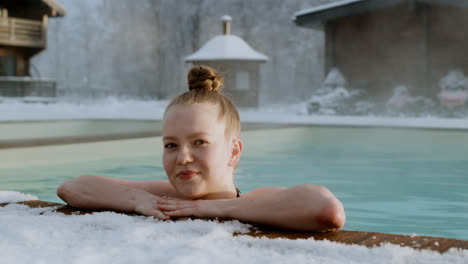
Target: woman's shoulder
265,190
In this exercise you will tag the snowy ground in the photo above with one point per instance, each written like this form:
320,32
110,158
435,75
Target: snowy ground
11,110
41,236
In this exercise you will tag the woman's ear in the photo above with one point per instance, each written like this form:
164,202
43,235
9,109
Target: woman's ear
236,152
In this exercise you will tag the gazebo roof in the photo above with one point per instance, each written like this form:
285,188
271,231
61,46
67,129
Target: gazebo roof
226,47
313,17
49,7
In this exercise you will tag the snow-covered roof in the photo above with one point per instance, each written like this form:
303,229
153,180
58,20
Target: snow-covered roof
226,47
315,15
323,7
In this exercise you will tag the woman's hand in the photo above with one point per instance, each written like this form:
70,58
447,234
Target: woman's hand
175,207
149,207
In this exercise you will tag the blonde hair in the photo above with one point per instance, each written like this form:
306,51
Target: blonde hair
204,86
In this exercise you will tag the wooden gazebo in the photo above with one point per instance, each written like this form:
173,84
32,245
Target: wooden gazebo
380,44
237,61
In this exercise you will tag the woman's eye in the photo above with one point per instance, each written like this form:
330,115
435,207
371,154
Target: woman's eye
170,145
199,142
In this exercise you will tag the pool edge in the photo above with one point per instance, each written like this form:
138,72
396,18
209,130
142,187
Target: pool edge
368,239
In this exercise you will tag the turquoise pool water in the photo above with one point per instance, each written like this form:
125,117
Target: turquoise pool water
389,180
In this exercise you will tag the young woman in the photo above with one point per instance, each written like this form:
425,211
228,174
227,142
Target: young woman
202,147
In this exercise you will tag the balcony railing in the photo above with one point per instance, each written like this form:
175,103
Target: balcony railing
23,32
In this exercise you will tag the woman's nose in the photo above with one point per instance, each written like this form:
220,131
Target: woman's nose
184,156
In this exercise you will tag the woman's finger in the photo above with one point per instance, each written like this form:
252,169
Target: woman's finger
181,212
162,201
168,207
169,201
162,216
172,207
176,204
172,198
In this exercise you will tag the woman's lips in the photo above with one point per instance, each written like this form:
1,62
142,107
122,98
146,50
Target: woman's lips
186,175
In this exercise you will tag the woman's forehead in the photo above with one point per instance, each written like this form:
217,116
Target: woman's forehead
202,117
192,112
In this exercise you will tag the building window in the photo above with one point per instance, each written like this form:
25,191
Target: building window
242,81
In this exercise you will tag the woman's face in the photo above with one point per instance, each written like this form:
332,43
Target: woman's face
197,153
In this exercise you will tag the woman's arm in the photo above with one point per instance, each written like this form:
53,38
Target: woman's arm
94,192
303,207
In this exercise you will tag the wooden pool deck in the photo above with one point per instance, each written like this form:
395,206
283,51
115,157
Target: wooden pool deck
368,239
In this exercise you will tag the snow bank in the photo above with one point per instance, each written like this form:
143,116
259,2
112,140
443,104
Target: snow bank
41,236
12,197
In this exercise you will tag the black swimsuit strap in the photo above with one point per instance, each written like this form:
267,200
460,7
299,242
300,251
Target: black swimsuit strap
238,192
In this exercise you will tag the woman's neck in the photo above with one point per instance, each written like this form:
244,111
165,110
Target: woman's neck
228,193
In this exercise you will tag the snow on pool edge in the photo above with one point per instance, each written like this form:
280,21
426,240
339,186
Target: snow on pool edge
50,237
13,197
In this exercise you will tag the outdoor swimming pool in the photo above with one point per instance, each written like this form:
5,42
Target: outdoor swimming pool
389,180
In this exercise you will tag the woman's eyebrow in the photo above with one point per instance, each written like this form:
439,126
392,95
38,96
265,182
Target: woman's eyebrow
194,135
198,134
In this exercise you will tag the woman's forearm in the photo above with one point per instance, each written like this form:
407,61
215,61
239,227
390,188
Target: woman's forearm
94,192
303,207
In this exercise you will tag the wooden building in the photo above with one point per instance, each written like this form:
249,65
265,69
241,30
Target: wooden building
23,33
380,44
238,63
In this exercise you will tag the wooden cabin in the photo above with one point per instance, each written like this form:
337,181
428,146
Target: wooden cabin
381,44
238,63
23,33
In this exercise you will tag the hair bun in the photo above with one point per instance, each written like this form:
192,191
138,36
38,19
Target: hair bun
204,78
